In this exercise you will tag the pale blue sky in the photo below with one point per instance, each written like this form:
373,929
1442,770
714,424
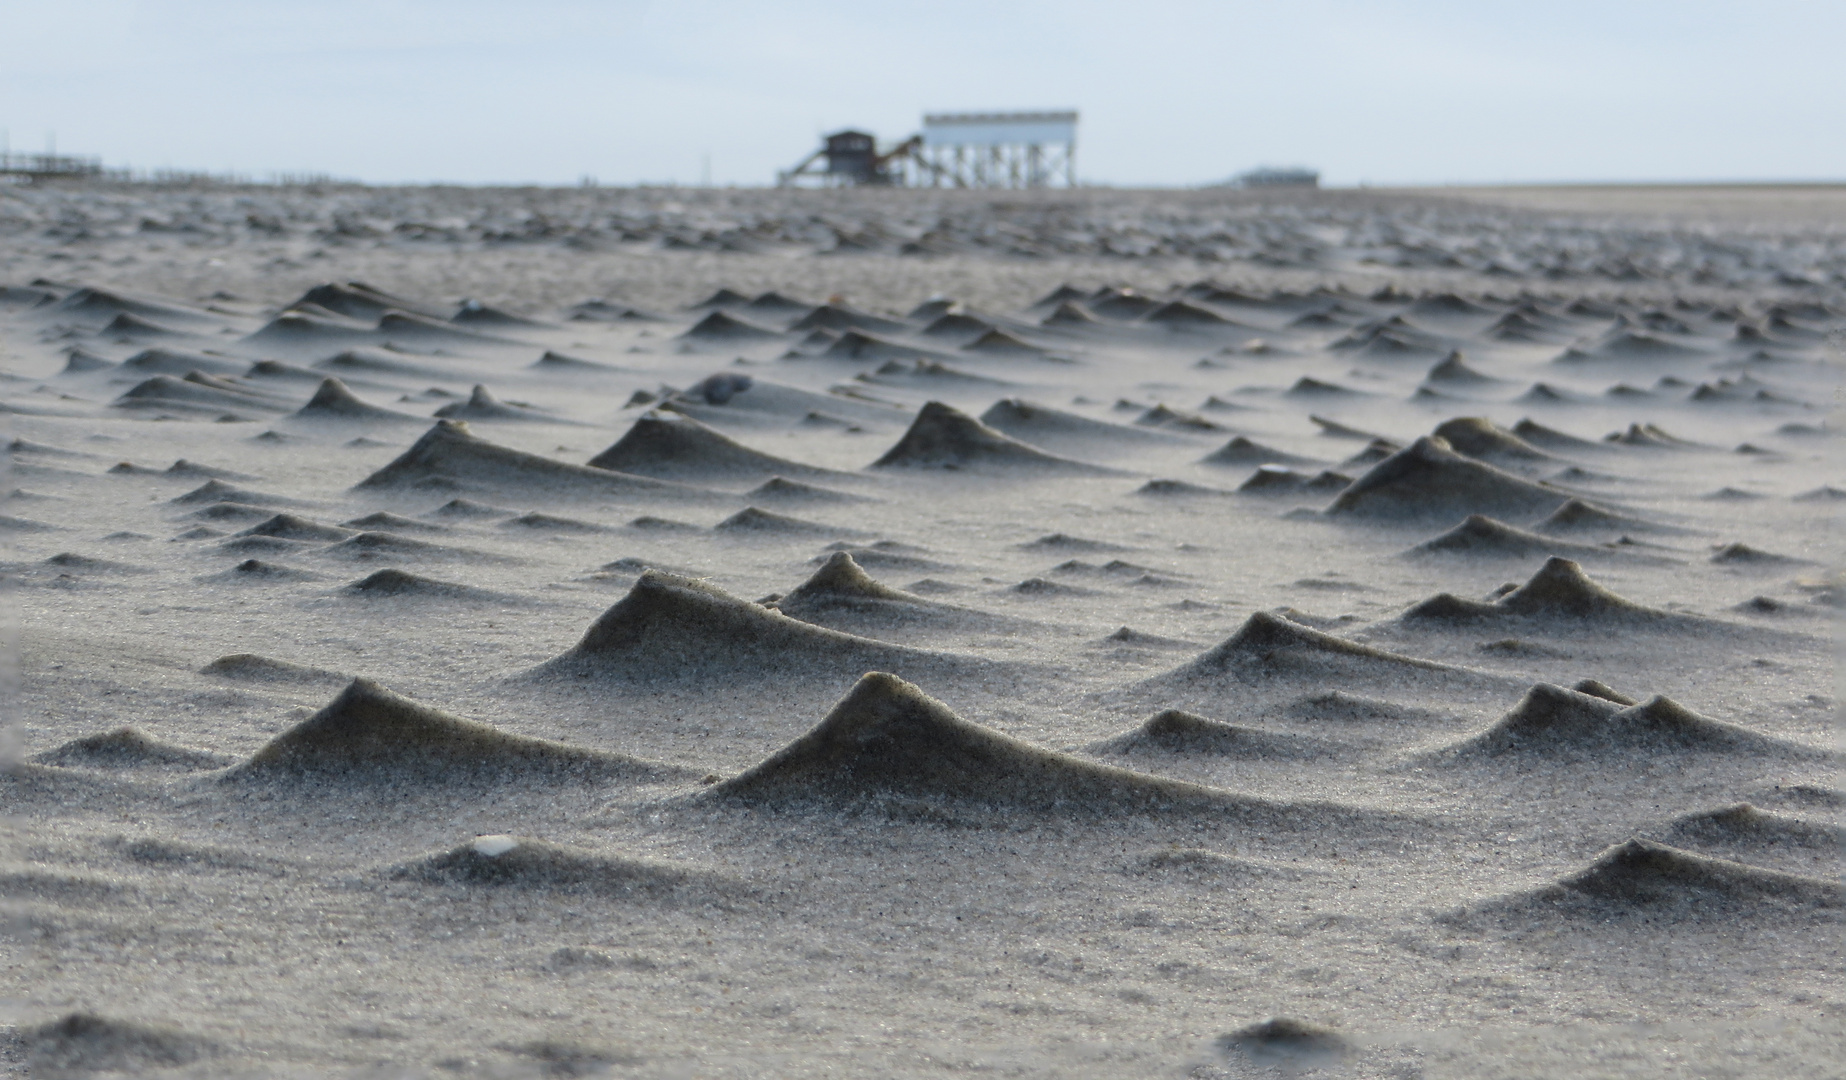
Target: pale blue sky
1382,92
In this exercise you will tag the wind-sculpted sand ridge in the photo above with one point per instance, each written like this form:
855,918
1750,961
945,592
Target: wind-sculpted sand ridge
888,741
1559,593
1640,881
1428,479
1175,731
524,863
1479,536
1551,722
369,736
944,438
842,596
128,748
668,446
451,457
672,628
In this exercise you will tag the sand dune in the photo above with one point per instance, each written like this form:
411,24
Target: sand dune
508,862
368,735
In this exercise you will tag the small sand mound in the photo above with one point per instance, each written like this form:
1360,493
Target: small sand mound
755,521
1243,452
450,456
721,327
1269,644
953,324
842,317
1286,1044
258,571
468,510
1182,489
334,401
1429,479
1485,537
552,523
376,546
524,863
1480,438
565,364
249,667
674,446
1746,827
1652,437
1001,344
1066,543
1179,315
1175,731
1598,688
399,585
1552,723
779,489
1574,516
1068,315
723,298
675,628
167,392
1452,370
1064,431
483,405
390,522
84,1044
1644,879
888,740
1625,345
1346,708
357,300
127,748
842,596
474,313
1560,590
942,437
217,491
1171,419
293,527
1545,438
1745,555
369,733
184,468
1281,480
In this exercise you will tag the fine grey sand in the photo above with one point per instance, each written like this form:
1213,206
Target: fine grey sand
666,633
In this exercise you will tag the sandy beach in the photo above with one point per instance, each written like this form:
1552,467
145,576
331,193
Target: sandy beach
746,633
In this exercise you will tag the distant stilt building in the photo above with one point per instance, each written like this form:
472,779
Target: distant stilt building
850,159
999,150
964,150
39,168
1271,177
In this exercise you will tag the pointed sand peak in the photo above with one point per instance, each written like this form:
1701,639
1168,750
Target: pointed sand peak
672,445
1562,588
889,740
670,627
1268,642
1429,479
450,456
1644,874
370,733
334,400
943,437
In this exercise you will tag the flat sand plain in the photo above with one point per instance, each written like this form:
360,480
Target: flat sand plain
743,633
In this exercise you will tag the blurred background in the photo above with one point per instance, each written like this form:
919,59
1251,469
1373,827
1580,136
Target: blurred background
1379,92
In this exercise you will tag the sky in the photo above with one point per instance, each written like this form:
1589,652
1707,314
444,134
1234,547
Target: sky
1380,92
